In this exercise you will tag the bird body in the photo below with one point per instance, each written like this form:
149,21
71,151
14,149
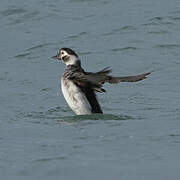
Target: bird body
75,98
81,99
79,87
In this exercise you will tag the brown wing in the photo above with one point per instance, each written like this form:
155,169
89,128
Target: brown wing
128,78
95,80
91,80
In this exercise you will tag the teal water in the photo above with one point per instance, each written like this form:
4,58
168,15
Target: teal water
138,137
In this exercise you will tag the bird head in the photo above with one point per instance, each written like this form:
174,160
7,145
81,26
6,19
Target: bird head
67,55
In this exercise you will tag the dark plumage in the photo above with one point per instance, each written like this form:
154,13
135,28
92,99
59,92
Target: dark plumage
69,51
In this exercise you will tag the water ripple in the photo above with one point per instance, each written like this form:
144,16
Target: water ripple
159,20
22,55
27,52
13,11
57,114
85,53
76,36
19,15
50,159
39,46
168,46
158,32
128,48
122,29
175,138
97,117
46,89
81,1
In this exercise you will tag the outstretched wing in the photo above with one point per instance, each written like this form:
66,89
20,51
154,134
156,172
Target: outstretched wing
128,78
97,79
91,80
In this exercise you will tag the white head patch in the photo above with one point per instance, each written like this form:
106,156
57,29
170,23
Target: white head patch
68,59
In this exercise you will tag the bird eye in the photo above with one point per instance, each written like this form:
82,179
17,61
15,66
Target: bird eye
62,53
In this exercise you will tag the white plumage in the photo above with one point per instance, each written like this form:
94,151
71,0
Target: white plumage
75,98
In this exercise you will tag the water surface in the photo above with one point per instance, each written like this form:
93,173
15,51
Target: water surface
138,137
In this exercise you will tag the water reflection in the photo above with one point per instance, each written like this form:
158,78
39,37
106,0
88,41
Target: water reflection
58,115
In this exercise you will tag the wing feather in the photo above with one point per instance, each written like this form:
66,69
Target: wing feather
96,80
128,78
89,79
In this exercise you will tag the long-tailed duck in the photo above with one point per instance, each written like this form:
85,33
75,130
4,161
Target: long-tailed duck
79,87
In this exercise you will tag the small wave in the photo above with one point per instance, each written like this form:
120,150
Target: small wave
168,46
53,114
46,159
58,115
85,53
81,1
159,20
39,46
20,56
46,89
76,118
158,32
76,36
121,29
150,24
25,82
175,135
13,11
128,48
19,15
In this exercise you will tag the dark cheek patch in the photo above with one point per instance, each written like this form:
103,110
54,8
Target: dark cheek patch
65,58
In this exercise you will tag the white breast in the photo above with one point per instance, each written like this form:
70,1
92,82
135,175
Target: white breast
75,98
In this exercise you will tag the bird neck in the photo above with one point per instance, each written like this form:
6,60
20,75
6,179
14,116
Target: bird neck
76,65
71,60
